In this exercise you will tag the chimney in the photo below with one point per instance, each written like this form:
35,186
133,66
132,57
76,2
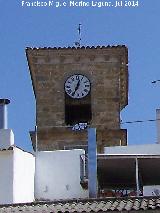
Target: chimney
6,135
3,113
158,125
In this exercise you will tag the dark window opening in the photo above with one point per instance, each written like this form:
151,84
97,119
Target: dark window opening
75,114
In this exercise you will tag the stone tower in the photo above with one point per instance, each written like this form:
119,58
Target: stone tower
61,103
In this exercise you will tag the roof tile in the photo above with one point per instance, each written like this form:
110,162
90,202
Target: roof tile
115,205
144,204
136,205
121,205
151,204
90,205
106,206
128,205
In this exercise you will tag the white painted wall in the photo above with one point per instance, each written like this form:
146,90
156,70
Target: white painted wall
58,175
146,149
6,177
153,190
23,177
17,169
6,138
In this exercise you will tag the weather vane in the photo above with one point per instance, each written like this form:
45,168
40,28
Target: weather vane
78,43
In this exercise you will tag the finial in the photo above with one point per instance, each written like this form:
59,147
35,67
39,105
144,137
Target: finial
78,43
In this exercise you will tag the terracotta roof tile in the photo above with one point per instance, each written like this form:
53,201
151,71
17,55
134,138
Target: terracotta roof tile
128,205
136,205
90,205
152,204
144,204
106,206
158,203
121,205
114,205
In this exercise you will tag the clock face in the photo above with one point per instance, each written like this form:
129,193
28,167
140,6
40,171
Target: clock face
77,86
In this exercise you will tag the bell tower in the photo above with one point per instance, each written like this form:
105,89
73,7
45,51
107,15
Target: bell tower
77,85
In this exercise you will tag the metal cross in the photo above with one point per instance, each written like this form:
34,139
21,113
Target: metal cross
78,43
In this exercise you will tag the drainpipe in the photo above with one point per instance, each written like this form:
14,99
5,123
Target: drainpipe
158,125
137,178
92,163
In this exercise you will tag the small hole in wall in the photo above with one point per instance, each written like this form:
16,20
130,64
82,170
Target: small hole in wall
67,187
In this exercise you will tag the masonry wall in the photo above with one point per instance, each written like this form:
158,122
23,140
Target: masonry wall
104,92
58,175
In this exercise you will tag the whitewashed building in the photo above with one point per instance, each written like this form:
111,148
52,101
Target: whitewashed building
17,167
17,171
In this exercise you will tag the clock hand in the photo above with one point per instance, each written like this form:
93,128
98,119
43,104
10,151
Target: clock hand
76,88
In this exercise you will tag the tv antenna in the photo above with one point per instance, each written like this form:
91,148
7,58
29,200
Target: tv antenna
78,43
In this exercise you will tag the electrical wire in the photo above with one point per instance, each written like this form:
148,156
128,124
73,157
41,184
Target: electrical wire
139,121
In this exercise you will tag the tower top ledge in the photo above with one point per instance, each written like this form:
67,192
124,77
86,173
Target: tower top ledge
73,47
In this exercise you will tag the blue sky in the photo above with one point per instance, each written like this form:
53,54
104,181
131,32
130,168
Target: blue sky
136,27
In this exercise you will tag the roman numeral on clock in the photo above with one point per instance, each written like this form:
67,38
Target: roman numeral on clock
85,90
